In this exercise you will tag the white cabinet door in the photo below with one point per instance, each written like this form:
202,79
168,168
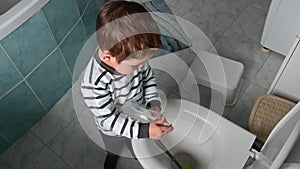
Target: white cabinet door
287,81
282,25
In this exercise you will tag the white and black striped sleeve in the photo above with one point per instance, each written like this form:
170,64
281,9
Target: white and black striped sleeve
107,117
150,87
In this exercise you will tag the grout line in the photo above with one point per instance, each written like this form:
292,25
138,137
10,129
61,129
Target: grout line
19,72
49,28
11,89
9,58
38,65
58,44
82,24
24,78
57,47
229,27
62,129
49,148
64,60
79,21
81,17
85,9
77,8
65,37
39,100
5,138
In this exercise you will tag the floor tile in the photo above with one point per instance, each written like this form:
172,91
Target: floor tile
179,7
264,4
56,120
241,111
251,22
210,29
223,12
21,152
243,49
165,80
267,73
46,159
76,148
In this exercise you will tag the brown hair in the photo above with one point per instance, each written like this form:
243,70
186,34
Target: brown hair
124,28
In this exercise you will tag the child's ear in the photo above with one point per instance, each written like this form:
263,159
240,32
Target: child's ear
108,58
104,55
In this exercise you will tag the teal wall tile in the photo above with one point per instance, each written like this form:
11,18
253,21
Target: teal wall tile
61,16
19,111
100,3
27,47
72,45
4,144
51,80
29,44
8,74
81,4
90,17
85,55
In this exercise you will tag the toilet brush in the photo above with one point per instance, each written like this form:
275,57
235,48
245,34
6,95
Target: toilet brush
164,148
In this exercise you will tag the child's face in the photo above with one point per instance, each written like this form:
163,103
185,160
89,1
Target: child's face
129,65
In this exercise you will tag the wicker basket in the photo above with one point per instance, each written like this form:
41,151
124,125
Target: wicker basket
266,113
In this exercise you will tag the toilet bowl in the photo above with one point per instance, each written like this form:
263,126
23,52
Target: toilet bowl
197,141
228,79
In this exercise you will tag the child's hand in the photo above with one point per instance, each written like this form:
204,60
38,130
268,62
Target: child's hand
157,129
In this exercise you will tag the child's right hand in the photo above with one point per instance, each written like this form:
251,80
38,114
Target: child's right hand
157,129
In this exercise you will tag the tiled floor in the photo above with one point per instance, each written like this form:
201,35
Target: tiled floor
233,26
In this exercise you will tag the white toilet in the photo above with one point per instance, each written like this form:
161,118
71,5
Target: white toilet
197,142
203,139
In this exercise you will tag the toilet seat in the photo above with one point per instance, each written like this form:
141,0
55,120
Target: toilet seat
217,152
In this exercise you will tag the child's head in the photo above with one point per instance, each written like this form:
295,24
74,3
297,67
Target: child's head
125,30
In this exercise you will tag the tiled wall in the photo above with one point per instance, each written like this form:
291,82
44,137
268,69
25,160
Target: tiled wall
37,61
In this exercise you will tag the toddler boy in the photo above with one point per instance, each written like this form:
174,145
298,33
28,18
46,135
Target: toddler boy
119,72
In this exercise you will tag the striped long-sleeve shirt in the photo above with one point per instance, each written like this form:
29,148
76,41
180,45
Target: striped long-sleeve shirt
105,91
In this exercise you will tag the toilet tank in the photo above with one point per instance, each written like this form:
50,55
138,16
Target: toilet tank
228,79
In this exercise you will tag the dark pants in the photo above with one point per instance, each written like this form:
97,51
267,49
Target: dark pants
114,146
